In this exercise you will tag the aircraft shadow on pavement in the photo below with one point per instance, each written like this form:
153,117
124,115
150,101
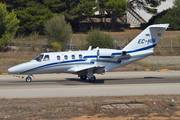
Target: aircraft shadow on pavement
39,81
153,78
59,81
98,81
86,81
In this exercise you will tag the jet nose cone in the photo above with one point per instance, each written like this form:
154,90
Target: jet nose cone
18,69
12,70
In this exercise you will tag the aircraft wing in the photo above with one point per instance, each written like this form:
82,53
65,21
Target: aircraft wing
84,70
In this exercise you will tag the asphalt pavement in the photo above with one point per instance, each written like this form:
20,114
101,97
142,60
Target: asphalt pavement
110,84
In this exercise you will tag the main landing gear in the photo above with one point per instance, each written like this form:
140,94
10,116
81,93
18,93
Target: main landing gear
28,79
84,77
92,79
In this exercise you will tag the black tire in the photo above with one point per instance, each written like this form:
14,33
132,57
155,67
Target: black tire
83,77
92,79
28,79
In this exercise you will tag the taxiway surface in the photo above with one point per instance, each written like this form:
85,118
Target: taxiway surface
110,84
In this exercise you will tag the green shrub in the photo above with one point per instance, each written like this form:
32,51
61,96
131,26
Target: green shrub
58,30
56,46
97,38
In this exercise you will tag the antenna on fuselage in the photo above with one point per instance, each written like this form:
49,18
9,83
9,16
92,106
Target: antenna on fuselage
116,43
90,47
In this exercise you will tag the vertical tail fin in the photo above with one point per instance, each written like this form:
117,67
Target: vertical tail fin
147,39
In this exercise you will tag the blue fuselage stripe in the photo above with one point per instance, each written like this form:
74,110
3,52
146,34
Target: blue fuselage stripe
145,48
105,57
70,61
116,53
93,56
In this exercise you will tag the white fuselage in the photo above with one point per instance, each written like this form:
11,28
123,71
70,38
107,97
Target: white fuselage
74,61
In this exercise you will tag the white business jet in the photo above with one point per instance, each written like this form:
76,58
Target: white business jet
86,63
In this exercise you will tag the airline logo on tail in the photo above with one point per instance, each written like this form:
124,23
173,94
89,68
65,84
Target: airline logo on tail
142,41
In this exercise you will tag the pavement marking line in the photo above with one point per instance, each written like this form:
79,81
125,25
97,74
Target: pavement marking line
143,85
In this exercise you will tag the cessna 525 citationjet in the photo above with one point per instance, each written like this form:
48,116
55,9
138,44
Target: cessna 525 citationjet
86,63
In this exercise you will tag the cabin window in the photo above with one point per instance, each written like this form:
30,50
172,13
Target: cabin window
80,56
65,57
46,58
58,57
39,57
73,56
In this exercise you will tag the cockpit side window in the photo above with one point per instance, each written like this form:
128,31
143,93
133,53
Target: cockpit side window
39,57
46,58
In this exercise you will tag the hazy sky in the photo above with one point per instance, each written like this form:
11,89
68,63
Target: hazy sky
163,6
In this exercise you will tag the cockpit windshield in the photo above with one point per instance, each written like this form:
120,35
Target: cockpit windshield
39,57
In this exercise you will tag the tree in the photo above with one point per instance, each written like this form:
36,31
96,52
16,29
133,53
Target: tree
114,8
56,6
96,38
14,4
159,16
148,5
85,7
79,8
58,30
33,16
8,24
33,13
171,16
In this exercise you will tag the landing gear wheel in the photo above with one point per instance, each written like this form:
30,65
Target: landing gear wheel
83,77
92,79
28,79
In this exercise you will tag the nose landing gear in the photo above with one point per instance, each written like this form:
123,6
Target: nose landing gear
28,79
